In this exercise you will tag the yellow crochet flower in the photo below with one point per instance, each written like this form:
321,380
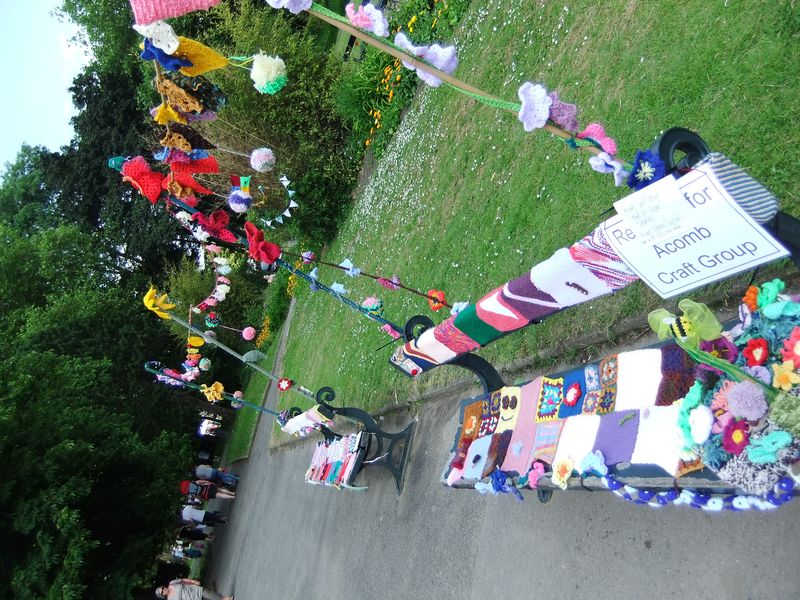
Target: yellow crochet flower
166,113
784,376
160,306
213,392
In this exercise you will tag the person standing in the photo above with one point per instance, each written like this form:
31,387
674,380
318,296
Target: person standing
217,476
206,517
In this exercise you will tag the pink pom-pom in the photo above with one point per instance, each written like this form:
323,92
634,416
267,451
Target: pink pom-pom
249,333
262,159
210,301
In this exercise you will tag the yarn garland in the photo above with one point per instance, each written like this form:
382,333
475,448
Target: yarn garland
287,210
782,492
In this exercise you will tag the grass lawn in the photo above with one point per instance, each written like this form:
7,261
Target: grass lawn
465,199
244,427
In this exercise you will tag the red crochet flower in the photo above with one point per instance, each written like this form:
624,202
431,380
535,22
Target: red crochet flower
736,437
573,394
756,352
436,299
258,248
216,224
284,383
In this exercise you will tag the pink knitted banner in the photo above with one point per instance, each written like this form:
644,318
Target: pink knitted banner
148,11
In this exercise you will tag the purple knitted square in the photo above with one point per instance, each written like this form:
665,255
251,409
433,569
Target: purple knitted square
616,436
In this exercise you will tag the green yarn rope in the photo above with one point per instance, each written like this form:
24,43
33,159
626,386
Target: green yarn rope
493,102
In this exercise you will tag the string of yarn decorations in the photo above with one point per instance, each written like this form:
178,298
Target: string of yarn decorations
267,72
782,492
222,285
287,210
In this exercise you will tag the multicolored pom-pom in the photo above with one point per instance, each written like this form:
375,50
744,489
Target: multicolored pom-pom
268,73
262,160
239,201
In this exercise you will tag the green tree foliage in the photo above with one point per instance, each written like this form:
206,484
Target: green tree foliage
300,121
97,449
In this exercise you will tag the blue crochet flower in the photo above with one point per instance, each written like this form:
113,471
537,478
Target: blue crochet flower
647,168
169,62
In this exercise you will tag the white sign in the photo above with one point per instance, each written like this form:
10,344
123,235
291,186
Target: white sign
684,234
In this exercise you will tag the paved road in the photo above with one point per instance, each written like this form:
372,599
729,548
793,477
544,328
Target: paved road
287,539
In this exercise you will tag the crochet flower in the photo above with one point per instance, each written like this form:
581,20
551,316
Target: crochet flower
756,352
573,394
216,224
761,373
769,291
268,73
213,392
719,407
349,268
751,298
535,474
719,348
746,401
368,18
736,437
791,347
784,375
647,168
308,257
536,105
391,331
436,300
257,247
596,132
284,383
293,6
603,163
390,284
562,470
443,58
160,34
563,114
594,463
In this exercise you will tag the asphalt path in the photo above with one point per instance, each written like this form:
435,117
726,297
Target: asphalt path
287,539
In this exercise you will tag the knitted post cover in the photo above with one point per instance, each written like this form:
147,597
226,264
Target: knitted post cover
149,11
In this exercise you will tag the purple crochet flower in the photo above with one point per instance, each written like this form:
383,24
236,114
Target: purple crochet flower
443,58
721,348
759,372
647,168
563,114
746,401
535,106
603,163
293,6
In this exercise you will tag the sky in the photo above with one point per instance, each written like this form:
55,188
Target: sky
40,65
